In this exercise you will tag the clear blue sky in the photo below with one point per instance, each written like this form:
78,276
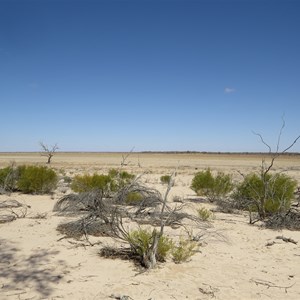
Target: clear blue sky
154,75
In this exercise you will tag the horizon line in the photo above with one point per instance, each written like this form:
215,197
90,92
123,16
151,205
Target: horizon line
166,152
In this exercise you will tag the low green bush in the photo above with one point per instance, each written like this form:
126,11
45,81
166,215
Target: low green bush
85,183
107,183
266,195
36,179
184,250
213,187
133,198
119,179
204,214
141,240
165,179
8,178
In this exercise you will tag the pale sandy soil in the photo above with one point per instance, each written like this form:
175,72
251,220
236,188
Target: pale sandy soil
233,262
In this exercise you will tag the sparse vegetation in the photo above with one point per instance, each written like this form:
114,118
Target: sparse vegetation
184,250
105,216
133,198
204,214
119,179
165,179
8,178
141,242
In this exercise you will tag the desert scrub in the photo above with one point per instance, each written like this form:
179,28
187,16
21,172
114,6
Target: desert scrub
85,183
213,187
8,178
106,183
184,250
269,194
141,241
119,179
165,179
204,214
36,180
133,198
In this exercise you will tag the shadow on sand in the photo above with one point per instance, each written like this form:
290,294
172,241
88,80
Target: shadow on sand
36,272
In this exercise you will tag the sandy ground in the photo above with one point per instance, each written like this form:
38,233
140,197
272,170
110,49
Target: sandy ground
233,262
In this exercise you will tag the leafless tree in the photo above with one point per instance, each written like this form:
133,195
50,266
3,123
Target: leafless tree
48,151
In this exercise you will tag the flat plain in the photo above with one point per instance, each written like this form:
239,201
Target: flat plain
235,260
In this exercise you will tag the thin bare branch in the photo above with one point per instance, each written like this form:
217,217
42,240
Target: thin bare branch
263,141
125,157
279,135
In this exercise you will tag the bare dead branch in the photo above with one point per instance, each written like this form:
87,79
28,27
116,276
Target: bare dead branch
263,141
125,157
270,284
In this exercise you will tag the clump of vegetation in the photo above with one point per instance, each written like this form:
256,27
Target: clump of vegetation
213,187
8,178
165,179
120,179
141,241
106,183
204,214
85,183
133,198
184,250
36,180
266,194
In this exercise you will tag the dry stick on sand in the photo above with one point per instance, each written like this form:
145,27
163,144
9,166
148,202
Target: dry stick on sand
270,284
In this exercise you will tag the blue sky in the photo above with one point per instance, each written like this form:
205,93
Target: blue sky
154,75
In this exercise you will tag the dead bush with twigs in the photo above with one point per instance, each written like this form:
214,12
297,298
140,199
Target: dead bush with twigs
11,210
102,216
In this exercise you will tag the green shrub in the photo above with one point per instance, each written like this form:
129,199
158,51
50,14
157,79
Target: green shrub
165,179
107,183
204,214
36,180
165,245
141,240
266,195
8,178
213,187
184,250
85,183
133,198
119,179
